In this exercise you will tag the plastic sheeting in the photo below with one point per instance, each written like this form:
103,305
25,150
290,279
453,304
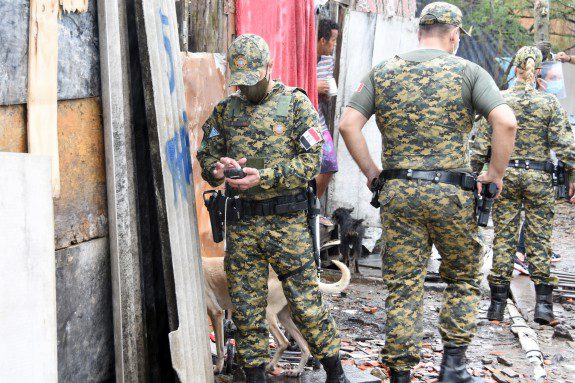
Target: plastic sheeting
367,40
289,29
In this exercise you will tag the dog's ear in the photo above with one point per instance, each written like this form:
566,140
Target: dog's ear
350,209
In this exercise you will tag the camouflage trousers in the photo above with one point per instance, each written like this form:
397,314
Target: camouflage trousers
283,242
416,215
528,190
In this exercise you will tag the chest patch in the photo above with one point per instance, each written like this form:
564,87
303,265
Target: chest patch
279,129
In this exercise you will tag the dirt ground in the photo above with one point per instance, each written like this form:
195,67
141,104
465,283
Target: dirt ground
495,354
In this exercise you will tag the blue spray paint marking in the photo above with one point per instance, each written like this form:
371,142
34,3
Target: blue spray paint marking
179,160
168,47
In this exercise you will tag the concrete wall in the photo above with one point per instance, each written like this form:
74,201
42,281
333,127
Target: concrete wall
85,336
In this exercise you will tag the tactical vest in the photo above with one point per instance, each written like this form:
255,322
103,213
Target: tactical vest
421,114
263,133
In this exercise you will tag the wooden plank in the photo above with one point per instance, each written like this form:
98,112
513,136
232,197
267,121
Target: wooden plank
205,86
209,27
43,84
28,325
74,5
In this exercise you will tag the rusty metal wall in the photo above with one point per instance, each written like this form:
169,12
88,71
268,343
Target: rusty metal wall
204,84
80,214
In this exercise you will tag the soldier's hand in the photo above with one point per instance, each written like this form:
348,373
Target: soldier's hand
572,192
229,163
488,178
251,179
373,174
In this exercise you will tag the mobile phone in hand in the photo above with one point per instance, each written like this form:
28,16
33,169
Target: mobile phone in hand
234,173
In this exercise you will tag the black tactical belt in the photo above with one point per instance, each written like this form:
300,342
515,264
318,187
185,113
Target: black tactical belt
544,166
272,206
465,181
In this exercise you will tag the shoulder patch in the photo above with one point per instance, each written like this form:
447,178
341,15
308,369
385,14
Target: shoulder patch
309,138
214,133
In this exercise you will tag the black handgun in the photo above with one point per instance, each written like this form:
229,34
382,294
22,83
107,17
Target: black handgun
215,203
376,185
234,173
561,180
485,203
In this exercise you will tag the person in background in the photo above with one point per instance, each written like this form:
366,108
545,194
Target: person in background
326,40
546,77
543,126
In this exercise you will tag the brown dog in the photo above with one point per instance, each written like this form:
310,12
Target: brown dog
218,299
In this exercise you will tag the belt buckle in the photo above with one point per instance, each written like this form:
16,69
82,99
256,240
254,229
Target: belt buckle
527,164
437,177
409,174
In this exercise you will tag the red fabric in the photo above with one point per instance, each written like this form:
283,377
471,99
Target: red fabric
288,26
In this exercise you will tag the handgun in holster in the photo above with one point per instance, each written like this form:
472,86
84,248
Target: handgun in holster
215,202
313,211
484,203
376,186
561,180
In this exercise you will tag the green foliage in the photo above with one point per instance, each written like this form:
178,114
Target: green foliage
500,19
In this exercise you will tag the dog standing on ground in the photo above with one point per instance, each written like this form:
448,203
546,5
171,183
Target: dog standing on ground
351,232
218,299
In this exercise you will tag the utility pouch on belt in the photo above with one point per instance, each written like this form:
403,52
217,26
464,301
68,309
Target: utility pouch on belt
484,203
561,180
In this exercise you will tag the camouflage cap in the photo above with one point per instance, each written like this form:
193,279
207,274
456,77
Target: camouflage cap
525,53
247,54
442,13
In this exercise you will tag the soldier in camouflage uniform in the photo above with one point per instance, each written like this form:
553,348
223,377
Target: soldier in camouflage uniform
543,126
274,131
424,102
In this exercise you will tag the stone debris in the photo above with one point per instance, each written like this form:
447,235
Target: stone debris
504,361
562,332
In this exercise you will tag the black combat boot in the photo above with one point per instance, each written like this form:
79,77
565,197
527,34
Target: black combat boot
333,369
499,295
544,304
400,376
453,366
256,374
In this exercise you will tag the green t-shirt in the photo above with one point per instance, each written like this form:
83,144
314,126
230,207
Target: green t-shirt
479,91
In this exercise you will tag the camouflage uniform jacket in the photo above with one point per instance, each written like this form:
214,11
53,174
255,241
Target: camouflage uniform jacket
268,135
423,119
543,126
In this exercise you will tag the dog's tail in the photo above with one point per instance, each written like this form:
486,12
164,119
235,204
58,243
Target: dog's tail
339,286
